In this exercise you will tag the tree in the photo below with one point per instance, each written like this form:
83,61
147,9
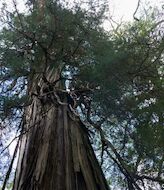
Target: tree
46,47
68,83
135,88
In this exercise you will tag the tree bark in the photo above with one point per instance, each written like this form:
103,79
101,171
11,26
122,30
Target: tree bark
55,151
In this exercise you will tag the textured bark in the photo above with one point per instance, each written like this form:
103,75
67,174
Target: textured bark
55,151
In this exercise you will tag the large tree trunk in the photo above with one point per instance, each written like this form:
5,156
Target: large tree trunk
55,151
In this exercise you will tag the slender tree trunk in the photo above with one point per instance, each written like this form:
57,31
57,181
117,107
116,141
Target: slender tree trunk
55,151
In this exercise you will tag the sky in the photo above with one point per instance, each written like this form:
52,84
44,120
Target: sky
119,9
125,8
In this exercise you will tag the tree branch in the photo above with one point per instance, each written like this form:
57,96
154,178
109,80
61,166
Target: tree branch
135,18
10,167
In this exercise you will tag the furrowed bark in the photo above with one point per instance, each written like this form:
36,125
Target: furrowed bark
55,151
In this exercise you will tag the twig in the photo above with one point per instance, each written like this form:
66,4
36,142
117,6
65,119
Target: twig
16,9
10,167
135,18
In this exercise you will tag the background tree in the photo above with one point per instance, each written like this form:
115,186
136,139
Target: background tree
134,94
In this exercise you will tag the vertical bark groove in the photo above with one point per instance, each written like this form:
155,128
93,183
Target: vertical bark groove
55,151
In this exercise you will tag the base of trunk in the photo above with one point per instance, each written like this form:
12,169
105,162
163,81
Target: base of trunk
56,154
